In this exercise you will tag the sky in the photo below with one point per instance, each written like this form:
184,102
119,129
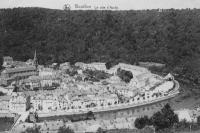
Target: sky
103,4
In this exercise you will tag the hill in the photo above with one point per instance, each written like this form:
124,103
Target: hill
170,37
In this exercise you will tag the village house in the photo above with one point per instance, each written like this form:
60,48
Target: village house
97,66
145,96
49,81
19,102
127,92
49,102
46,72
92,66
38,81
92,101
109,100
65,66
7,61
32,82
9,75
63,103
4,103
17,70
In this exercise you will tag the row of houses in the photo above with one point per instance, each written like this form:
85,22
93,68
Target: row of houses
50,102
47,102
76,99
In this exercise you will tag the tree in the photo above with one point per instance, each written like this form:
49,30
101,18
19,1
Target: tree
165,118
108,65
66,7
158,120
126,76
198,120
100,130
90,115
65,129
32,130
140,123
1,93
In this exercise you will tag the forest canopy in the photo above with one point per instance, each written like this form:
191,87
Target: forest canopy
171,37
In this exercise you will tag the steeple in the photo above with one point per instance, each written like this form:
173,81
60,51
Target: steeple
35,61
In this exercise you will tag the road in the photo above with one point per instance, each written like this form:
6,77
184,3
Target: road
22,118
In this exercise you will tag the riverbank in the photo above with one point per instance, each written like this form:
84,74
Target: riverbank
188,98
81,126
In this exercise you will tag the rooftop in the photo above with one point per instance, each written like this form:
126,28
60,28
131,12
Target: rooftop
39,78
19,69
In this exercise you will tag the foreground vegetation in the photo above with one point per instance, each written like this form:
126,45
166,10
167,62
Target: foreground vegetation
36,129
170,37
166,118
166,121
163,121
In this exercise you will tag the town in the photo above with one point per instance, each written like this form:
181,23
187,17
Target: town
31,90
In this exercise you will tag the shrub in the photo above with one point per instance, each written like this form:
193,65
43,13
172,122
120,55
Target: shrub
165,118
100,130
65,129
142,122
126,76
32,130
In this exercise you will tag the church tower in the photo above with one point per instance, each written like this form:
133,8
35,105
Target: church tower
35,60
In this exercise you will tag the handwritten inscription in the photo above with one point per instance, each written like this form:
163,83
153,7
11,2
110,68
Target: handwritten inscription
83,6
89,7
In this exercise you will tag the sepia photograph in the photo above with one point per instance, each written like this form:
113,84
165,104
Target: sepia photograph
99,66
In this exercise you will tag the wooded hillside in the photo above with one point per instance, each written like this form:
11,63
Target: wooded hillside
171,37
